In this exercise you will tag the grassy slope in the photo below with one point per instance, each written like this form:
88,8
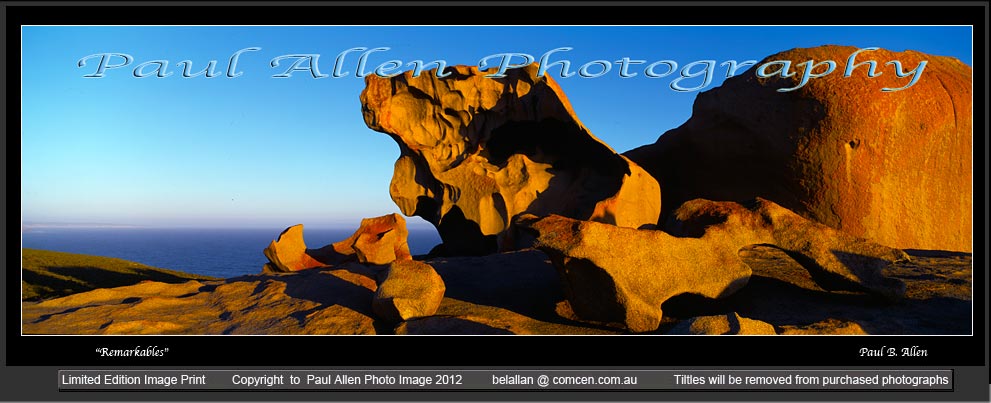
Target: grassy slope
49,274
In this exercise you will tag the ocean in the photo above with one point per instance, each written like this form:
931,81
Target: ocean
211,252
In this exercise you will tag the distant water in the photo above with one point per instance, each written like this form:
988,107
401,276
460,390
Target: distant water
210,252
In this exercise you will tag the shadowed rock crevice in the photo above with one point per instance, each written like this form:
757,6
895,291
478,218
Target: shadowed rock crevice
462,236
833,258
521,282
781,292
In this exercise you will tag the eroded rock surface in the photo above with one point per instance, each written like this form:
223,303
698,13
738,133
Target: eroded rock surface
380,240
623,275
508,293
450,325
334,301
475,152
895,167
288,253
825,327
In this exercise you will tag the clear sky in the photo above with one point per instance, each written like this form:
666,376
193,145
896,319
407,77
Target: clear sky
258,151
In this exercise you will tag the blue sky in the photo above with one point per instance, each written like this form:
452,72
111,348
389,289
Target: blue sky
258,151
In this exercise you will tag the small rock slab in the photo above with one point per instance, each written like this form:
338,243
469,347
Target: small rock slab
731,323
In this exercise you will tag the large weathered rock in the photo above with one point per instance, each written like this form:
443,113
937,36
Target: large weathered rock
895,167
411,289
379,240
475,152
288,253
731,323
623,275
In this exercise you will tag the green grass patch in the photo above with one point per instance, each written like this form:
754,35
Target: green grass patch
49,274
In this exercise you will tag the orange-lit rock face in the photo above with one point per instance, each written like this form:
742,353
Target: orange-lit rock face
477,151
289,253
623,275
895,167
379,240
731,323
410,290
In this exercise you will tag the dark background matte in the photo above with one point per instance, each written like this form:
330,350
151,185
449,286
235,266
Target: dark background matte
21,379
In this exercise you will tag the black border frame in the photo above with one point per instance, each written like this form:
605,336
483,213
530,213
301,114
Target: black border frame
498,351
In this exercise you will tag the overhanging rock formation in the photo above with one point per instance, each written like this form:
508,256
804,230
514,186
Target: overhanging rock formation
475,152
